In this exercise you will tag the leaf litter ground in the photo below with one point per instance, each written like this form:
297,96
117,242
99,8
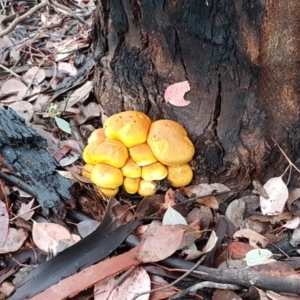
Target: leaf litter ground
205,236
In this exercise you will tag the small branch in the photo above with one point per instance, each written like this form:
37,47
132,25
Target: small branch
30,210
18,183
205,284
22,18
245,277
10,71
286,157
68,11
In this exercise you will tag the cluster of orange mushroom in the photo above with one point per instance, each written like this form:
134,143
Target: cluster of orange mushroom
132,151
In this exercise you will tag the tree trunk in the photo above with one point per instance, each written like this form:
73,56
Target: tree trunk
241,59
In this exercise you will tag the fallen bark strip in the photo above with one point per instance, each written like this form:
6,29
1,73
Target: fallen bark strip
245,277
73,285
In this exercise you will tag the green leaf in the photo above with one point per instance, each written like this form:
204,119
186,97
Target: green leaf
173,217
257,256
63,125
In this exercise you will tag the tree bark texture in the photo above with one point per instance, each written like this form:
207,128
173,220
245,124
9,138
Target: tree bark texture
26,153
241,59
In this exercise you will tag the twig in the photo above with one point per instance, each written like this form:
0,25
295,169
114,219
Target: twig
286,157
245,277
70,12
22,18
205,284
18,183
30,210
14,74
10,71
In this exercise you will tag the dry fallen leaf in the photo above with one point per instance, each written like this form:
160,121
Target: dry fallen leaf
204,189
295,238
35,75
293,202
24,211
255,239
14,240
162,242
137,281
202,214
158,282
210,244
67,68
275,296
235,212
4,219
293,223
238,250
284,216
24,109
87,112
174,93
51,237
209,201
278,195
170,198
10,86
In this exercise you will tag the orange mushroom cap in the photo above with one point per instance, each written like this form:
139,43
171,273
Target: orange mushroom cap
131,169
109,152
169,143
129,127
106,176
97,135
88,152
155,171
142,155
180,175
147,188
86,170
131,185
109,192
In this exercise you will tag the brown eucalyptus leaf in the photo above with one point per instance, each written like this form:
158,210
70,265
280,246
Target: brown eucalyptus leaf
24,211
51,237
209,201
235,212
35,75
161,243
14,240
255,239
13,85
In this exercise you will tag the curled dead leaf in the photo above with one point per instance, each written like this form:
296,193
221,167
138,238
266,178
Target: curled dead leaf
255,239
278,195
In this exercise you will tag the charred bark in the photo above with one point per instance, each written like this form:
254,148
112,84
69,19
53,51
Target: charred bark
224,49
34,169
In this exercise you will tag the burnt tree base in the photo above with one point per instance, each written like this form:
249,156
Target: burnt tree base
25,151
224,49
